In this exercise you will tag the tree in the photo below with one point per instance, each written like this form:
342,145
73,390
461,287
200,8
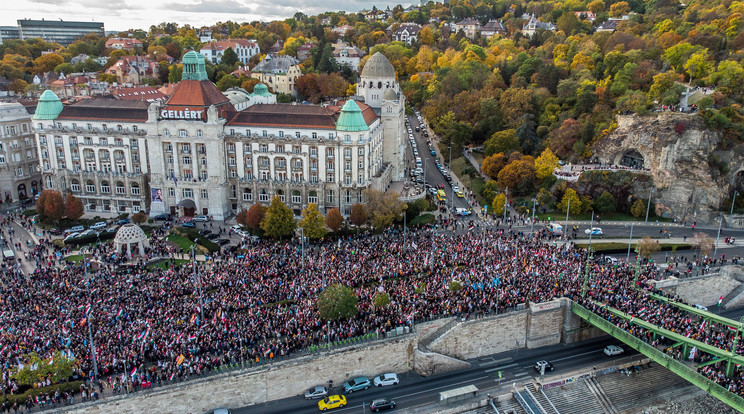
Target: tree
638,208
139,217
279,221
568,23
703,243
518,176
384,208
358,216
313,223
619,9
606,203
505,141
58,368
647,247
73,207
334,220
18,86
596,6
663,82
255,216
337,302
545,164
229,58
51,205
493,164
226,82
45,63
381,300
497,205
571,195
699,65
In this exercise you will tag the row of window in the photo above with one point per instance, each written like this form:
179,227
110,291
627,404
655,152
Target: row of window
90,187
119,142
13,129
90,127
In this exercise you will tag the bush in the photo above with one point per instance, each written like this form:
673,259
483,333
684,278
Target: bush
71,387
28,213
193,235
150,221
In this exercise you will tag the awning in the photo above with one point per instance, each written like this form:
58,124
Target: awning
186,203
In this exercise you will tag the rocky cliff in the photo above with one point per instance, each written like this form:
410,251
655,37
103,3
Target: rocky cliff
690,176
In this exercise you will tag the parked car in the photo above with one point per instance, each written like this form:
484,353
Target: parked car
317,391
540,364
27,201
205,232
433,152
236,228
162,217
356,384
463,211
333,401
432,191
221,242
382,404
75,229
212,236
122,221
594,231
71,236
701,307
99,225
201,219
611,350
221,411
386,379
459,194
189,224
55,231
87,233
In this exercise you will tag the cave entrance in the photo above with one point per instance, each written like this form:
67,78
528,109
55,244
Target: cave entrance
632,159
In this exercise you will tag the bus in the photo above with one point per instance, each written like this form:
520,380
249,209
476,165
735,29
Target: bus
441,196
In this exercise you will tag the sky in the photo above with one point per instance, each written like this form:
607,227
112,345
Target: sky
141,14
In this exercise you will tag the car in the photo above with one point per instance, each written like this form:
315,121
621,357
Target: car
459,194
220,411
201,219
317,391
463,211
122,221
382,404
27,201
356,384
701,307
55,231
212,236
189,224
89,232
112,229
542,366
71,236
386,379
611,350
455,188
432,191
448,177
419,180
75,229
433,152
330,402
594,231
205,232
162,217
99,225
236,228
611,260
221,242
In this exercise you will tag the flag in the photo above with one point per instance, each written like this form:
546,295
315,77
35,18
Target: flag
192,337
180,359
171,376
175,180
732,329
702,326
193,317
720,300
134,372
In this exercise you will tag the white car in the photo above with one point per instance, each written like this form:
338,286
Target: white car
99,225
201,219
71,236
594,231
701,307
386,379
236,228
611,350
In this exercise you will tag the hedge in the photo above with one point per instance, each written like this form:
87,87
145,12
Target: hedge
71,387
77,241
193,234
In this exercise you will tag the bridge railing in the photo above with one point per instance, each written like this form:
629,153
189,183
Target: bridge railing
684,371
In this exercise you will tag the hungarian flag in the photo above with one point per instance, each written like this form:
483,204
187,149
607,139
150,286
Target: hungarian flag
193,317
134,372
720,300
732,329
171,376
702,326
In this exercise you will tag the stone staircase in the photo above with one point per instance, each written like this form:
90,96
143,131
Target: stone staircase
545,402
423,343
607,406
574,399
510,406
734,297
650,386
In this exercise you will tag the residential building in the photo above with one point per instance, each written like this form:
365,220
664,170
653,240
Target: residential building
533,25
241,99
58,31
244,48
9,33
585,15
19,161
132,69
341,30
492,28
407,33
196,154
205,34
609,25
469,26
278,72
79,58
128,44
347,55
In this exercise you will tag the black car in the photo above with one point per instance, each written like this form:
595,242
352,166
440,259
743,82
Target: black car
212,236
382,404
122,221
205,232
55,231
162,217
27,201
221,242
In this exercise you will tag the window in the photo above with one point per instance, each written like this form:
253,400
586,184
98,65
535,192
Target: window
199,133
330,166
281,163
313,165
329,152
105,128
347,165
330,178
281,134
187,193
88,140
347,139
263,148
103,141
42,139
75,186
264,133
182,133
186,160
135,189
168,147
296,149
280,194
247,194
187,175
296,197
233,192
347,179
205,194
203,161
170,159
231,148
202,149
315,135
247,148
314,178
186,148
361,152
331,135
166,132
313,151
230,161
105,188
120,189
118,128
347,197
89,126
330,197
360,179
263,195
280,149
203,174
312,197
297,164
361,164
297,134
171,192
134,128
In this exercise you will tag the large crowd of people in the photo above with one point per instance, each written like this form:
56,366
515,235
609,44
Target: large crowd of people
155,324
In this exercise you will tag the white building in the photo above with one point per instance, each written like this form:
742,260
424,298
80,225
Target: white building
204,157
19,162
245,49
346,55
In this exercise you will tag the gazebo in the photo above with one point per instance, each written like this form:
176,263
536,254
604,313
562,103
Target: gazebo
128,235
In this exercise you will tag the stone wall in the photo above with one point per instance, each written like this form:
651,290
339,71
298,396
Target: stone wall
432,363
703,290
484,336
543,324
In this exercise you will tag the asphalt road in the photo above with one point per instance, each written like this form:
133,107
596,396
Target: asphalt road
415,390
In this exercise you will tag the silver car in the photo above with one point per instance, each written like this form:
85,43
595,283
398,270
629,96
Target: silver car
316,392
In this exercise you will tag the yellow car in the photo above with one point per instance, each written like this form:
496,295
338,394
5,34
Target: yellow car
333,401
460,194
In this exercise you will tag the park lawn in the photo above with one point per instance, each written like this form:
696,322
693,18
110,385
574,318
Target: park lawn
623,247
180,241
166,264
75,258
476,184
557,216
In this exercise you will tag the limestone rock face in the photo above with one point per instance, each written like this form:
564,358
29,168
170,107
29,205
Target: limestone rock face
677,150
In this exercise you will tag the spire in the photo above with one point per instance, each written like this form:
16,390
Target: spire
193,67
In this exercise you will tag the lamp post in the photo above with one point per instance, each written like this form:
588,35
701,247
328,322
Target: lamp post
648,205
196,282
87,316
731,214
302,246
506,197
715,249
449,167
532,225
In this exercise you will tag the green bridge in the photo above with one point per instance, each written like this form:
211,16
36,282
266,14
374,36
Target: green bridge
729,357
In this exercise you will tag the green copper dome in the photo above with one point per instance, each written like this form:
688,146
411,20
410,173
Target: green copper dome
260,90
193,67
49,106
351,118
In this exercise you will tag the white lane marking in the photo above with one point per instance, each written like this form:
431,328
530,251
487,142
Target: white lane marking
444,386
513,364
577,355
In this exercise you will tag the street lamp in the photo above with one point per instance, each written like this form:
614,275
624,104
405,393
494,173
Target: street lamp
715,249
196,282
648,205
532,226
731,214
87,317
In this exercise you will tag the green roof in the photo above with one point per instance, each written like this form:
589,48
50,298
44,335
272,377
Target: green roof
193,67
49,106
260,90
351,118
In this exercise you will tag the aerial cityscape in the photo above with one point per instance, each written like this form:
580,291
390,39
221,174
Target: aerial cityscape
458,207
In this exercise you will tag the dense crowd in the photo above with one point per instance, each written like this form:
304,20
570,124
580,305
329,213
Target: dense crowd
153,325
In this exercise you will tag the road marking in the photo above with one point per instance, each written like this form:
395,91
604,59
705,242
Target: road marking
577,355
513,364
521,374
492,362
444,386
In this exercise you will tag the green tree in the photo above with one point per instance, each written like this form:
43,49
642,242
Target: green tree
57,368
229,58
568,23
383,208
699,65
381,300
505,141
334,219
545,164
51,205
575,206
638,208
73,207
226,82
279,221
606,203
663,82
174,73
18,86
337,302
313,223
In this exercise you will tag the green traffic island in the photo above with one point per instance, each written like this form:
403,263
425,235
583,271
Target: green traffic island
623,247
166,264
560,217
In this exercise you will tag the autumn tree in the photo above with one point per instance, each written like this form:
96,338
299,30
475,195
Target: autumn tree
242,218
381,300
337,302
45,63
596,6
647,247
18,86
279,221
51,205
139,217
312,222
254,216
334,220
358,216
702,243
384,208
505,141
493,164
518,176
638,208
497,205
545,164
619,9
73,207
575,201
